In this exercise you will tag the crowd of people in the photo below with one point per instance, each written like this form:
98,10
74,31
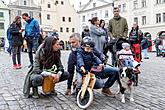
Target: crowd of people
87,50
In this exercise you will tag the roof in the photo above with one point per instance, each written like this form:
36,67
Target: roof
92,1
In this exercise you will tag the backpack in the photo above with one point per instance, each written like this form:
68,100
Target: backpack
9,36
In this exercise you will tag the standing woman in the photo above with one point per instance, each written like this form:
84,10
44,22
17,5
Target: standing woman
47,55
102,25
97,34
16,42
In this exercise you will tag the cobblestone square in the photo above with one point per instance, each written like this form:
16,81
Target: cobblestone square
149,95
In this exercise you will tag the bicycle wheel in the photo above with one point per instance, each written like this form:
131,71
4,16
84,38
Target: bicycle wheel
87,100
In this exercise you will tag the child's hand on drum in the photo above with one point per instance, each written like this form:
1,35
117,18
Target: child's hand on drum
56,78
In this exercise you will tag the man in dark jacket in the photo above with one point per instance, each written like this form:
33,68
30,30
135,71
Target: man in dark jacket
157,43
135,38
110,72
118,26
32,33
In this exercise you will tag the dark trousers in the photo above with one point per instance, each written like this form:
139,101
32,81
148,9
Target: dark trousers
16,54
37,79
157,51
32,47
70,79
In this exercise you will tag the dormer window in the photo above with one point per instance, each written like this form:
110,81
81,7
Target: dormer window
24,2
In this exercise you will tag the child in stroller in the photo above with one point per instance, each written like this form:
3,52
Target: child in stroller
126,56
126,60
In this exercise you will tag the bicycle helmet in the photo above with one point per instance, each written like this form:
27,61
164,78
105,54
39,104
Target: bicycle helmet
87,42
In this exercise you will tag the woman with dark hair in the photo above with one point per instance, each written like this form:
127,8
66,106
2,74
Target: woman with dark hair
16,41
47,56
97,34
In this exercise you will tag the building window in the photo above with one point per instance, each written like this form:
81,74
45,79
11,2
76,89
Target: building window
100,13
19,12
135,4
56,2
143,3
92,15
61,29
48,16
163,17
49,6
69,19
94,5
95,14
24,2
31,13
136,20
124,7
83,19
2,26
73,29
62,2
1,14
158,1
63,19
119,7
158,18
143,20
106,13
67,29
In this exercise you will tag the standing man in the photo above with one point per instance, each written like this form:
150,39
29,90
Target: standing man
118,28
157,42
32,33
135,38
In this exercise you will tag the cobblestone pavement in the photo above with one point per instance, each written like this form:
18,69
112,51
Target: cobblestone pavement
149,95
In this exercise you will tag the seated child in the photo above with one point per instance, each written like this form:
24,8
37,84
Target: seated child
85,60
126,55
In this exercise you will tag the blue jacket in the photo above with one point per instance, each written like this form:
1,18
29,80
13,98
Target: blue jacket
32,29
86,59
144,43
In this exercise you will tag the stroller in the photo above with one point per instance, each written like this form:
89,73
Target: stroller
114,46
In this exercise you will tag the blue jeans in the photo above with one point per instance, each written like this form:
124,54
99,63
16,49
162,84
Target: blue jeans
98,84
32,46
128,63
145,52
112,73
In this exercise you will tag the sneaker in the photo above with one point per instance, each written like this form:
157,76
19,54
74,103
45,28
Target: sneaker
19,66
107,92
68,92
15,66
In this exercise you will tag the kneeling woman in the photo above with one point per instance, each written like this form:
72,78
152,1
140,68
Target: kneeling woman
47,55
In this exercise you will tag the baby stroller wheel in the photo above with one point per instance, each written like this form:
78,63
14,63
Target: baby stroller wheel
87,100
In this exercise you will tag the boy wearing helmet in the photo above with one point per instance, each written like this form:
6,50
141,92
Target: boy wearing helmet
85,60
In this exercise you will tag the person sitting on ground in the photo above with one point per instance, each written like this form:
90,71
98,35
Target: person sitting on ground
47,55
